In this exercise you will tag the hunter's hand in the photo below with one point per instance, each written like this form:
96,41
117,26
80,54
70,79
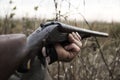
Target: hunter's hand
68,52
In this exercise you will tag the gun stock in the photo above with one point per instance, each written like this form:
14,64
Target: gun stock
11,53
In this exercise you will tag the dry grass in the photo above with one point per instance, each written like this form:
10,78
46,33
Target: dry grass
89,64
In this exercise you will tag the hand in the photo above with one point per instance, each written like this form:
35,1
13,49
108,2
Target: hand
69,52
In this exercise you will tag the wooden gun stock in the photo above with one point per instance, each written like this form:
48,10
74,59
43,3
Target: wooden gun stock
11,53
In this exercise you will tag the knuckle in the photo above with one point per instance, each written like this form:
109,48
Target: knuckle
80,44
78,49
71,38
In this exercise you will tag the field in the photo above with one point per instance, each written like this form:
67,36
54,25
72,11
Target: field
99,58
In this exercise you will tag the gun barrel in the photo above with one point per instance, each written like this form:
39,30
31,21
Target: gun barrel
60,32
81,31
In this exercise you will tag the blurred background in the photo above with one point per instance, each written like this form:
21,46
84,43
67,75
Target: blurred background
99,58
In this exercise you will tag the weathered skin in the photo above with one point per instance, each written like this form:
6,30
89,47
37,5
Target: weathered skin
11,53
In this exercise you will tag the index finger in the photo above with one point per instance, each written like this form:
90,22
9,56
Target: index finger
72,39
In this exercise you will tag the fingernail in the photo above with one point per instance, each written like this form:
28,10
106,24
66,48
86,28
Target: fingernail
73,33
78,35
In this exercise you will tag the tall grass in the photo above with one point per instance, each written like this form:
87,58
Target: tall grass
94,62
88,65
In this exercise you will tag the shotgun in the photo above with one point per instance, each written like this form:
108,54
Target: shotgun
52,32
15,48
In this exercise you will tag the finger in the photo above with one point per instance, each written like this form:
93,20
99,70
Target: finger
78,35
73,51
78,43
73,40
72,47
75,36
63,54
